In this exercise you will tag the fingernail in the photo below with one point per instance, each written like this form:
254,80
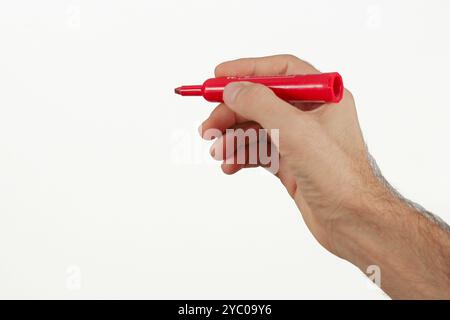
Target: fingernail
231,90
212,151
200,130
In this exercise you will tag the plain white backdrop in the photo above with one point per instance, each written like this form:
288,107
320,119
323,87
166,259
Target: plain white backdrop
106,189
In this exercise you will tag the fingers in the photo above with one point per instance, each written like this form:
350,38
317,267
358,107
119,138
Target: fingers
233,164
247,156
234,138
271,65
245,147
252,106
258,103
221,118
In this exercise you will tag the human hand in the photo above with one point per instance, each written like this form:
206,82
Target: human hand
323,160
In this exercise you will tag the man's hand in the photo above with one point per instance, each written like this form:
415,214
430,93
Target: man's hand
325,167
323,159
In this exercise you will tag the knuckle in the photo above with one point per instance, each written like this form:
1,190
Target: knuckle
348,95
299,64
218,68
290,57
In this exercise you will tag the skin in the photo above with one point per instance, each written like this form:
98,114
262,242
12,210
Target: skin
326,169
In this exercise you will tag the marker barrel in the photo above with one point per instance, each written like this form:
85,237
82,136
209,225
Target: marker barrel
321,88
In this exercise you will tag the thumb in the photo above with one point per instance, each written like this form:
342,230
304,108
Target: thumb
258,103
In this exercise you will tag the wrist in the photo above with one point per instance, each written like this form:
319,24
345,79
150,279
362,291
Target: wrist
367,221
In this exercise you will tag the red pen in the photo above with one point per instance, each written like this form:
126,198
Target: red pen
323,87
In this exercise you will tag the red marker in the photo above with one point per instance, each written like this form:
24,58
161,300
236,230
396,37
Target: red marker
323,87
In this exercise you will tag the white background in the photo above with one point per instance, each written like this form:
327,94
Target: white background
106,190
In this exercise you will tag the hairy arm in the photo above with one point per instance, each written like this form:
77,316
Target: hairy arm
410,246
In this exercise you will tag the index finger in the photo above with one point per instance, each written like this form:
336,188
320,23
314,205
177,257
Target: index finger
271,65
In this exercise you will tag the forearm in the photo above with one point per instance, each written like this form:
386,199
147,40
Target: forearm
411,249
